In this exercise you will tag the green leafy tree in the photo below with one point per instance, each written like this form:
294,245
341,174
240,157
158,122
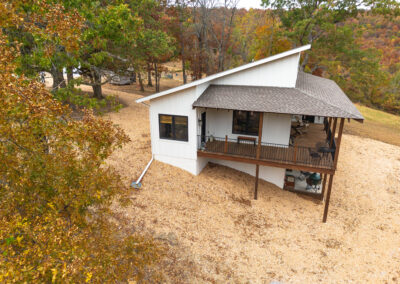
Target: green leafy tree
154,45
108,37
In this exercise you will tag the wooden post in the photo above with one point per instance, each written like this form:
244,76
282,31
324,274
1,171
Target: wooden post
295,152
339,140
333,132
323,186
328,196
260,126
226,144
329,127
256,186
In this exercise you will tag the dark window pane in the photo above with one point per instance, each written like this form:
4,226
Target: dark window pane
166,126
245,122
252,123
181,128
239,121
173,127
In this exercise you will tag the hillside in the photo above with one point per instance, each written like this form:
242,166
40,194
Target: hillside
378,125
216,232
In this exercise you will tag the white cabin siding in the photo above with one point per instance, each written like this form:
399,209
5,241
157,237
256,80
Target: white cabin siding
177,153
276,129
279,73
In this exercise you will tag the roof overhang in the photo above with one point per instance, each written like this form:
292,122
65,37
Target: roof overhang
267,99
312,95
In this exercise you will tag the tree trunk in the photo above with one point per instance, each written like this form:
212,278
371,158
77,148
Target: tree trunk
58,78
221,46
183,53
140,82
97,91
70,75
157,77
149,82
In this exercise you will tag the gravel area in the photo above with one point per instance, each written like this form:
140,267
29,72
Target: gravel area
219,234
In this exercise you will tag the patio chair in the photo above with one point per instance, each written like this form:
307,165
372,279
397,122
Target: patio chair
314,154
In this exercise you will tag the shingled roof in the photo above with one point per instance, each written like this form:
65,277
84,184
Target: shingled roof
312,96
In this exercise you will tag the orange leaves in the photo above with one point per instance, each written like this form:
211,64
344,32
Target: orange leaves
55,189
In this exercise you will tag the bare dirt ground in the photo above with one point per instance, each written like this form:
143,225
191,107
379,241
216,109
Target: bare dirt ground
218,234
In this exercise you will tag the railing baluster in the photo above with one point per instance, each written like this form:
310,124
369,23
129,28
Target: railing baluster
226,144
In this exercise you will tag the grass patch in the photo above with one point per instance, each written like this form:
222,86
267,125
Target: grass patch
378,125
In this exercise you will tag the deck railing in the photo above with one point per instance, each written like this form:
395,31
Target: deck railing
281,153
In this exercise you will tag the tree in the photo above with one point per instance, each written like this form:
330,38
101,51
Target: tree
108,38
337,51
154,45
257,34
306,21
55,187
42,33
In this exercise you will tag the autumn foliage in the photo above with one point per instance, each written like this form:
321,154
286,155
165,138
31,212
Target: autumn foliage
55,187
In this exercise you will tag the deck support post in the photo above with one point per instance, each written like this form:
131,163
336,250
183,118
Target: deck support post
324,177
339,140
328,196
256,185
329,127
333,133
260,127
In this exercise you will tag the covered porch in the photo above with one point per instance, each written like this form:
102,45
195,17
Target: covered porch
309,151
266,132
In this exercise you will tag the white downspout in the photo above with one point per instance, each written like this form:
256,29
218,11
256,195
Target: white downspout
137,184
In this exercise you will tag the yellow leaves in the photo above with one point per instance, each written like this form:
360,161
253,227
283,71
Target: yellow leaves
88,277
54,275
19,239
51,205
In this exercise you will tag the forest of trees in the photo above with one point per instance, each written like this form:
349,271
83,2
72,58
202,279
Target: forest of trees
54,179
357,48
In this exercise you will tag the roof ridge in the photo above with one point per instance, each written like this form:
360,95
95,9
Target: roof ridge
326,79
325,102
319,99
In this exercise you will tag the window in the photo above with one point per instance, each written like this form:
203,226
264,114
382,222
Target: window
245,122
173,127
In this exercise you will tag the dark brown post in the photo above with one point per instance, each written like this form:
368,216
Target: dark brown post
256,186
328,196
226,144
323,186
333,132
260,126
339,140
329,127
295,153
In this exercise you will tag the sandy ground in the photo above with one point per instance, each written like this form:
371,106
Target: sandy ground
222,235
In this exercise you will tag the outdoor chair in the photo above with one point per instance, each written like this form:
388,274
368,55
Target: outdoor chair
314,154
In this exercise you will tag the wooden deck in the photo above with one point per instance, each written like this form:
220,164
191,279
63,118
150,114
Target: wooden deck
290,157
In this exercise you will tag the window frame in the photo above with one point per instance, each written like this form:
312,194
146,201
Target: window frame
247,123
173,127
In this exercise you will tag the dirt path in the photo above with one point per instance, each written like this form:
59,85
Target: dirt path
225,236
